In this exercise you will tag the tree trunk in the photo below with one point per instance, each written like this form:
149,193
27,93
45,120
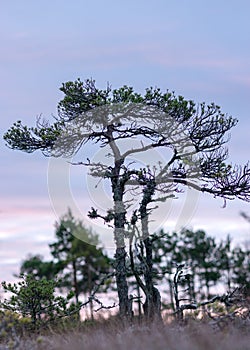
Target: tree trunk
119,237
90,292
139,301
121,282
75,281
152,306
170,283
91,310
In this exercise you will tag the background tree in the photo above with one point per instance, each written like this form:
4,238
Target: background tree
198,252
81,264
35,298
194,134
241,268
245,216
225,261
208,263
36,266
77,264
234,261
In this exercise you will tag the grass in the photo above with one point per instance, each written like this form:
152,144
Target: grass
110,334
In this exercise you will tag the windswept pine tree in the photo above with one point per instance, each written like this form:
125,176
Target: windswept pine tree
124,124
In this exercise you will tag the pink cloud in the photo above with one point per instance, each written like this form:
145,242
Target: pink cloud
193,58
242,79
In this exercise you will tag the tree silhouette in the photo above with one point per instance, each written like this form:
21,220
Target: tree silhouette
125,124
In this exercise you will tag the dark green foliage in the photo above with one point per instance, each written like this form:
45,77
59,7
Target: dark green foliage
80,97
35,265
235,264
76,251
208,263
26,139
78,260
35,298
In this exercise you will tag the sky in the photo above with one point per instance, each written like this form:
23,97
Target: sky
199,49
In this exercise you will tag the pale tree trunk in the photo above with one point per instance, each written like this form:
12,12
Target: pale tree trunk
119,236
139,301
120,257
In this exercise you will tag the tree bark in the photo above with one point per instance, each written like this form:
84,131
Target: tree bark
118,184
152,305
121,282
75,281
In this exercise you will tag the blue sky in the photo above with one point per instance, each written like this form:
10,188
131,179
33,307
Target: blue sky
199,49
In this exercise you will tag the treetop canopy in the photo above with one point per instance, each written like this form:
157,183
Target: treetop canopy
195,134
